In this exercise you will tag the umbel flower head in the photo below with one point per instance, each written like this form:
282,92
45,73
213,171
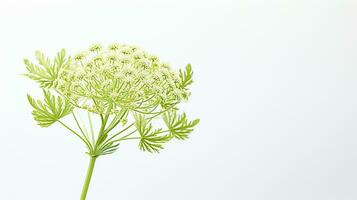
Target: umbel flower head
117,83
121,77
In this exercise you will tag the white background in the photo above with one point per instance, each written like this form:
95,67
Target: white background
275,88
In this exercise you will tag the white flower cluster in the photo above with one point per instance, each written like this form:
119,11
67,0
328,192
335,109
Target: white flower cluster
121,76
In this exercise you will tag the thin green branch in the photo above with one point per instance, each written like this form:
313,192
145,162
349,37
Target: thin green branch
126,137
91,127
80,128
115,135
114,123
122,138
132,138
74,132
102,135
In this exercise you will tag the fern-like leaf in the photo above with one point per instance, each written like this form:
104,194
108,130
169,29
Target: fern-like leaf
186,76
50,110
47,72
109,149
178,125
150,140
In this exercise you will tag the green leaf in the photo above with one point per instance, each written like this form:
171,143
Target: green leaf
49,110
109,149
178,125
47,72
150,140
186,76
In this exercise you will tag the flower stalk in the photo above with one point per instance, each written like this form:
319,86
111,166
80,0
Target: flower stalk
88,177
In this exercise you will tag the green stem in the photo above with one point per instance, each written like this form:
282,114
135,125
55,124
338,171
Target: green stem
74,132
88,178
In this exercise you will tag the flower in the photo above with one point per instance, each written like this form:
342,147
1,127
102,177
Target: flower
114,46
80,56
122,75
95,47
